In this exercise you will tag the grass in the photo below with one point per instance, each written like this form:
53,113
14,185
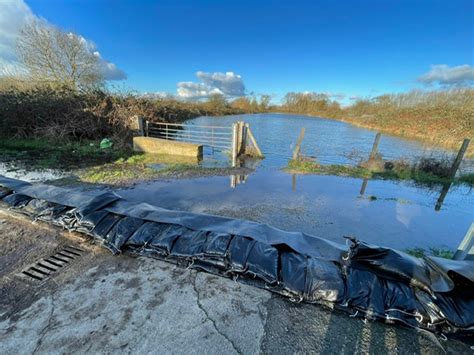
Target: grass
140,167
50,154
399,172
420,252
132,168
467,179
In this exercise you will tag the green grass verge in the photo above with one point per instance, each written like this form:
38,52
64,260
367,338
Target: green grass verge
407,173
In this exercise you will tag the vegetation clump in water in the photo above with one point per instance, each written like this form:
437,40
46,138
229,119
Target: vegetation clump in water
425,171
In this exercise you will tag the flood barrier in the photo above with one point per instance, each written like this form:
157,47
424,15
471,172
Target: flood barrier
364,280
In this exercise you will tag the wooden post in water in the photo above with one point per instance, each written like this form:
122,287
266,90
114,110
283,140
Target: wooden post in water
458,160
363,187
253,140
238,138
297,150
243,135
235,139
375,146
442,195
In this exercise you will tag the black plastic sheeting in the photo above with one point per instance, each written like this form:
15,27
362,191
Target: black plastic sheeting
369,281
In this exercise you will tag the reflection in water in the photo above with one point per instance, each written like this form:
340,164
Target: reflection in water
402,215
439,202
237,180
244,162
405,213
363,187
442,196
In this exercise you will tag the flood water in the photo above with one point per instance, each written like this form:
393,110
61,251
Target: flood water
329,141
391,213
397,214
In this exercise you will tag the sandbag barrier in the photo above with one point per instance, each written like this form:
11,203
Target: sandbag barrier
364,280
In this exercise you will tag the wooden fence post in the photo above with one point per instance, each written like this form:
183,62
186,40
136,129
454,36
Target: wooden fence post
235,140
363,187
253,140
375,146
296,151
458,160
442,195
243,135
141,126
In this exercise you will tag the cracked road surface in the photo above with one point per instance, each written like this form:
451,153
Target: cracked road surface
119,304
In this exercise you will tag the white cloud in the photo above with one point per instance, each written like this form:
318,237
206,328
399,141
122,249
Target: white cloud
14,14
227,84
111,71
445,75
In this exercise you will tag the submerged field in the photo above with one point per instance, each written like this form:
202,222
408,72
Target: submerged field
443,118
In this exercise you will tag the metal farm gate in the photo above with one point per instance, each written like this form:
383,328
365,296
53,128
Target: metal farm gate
235,139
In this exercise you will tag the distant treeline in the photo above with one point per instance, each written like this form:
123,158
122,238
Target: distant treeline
30,109
442,117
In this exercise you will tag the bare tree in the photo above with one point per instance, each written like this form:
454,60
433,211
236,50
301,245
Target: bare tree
58,57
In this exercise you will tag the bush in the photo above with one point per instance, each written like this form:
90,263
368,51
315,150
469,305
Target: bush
437,167
43,111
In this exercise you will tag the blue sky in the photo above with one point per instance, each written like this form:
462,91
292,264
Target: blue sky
356,48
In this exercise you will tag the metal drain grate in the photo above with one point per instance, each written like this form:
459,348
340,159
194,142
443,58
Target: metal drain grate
43,268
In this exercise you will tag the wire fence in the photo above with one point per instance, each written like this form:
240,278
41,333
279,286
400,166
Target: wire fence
354,151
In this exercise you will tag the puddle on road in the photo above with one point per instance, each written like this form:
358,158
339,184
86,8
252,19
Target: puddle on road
394,214
31,175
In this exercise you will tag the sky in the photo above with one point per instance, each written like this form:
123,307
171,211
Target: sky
347,49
